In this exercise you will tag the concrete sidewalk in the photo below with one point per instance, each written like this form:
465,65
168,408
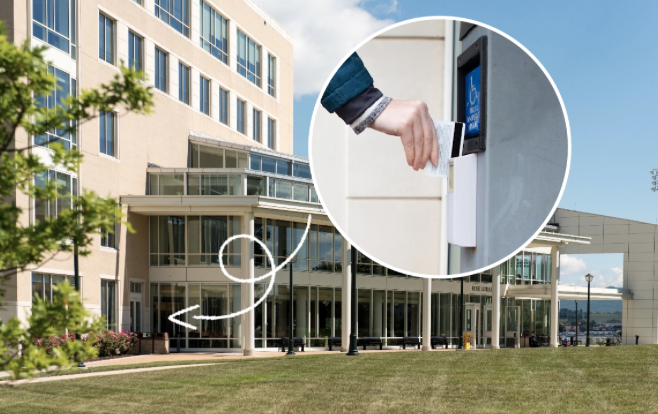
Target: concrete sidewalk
206,356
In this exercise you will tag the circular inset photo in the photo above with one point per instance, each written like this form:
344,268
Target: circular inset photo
440,147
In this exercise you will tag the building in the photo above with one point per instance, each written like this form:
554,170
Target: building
215,160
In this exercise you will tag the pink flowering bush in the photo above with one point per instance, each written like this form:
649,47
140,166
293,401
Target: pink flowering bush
51,343
115,343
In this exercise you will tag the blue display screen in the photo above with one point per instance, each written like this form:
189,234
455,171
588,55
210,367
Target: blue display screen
472,99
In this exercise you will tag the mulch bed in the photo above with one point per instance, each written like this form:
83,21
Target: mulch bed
109,357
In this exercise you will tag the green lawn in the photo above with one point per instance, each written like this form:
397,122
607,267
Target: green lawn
599,379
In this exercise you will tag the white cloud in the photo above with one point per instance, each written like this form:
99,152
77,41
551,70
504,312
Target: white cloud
570,265
385,8
324,31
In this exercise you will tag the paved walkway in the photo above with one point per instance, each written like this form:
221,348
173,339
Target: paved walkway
206,356
99,374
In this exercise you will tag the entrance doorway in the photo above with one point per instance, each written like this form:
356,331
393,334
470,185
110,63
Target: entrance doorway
135,307
513,327
472,324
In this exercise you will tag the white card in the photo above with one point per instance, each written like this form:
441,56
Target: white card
445,134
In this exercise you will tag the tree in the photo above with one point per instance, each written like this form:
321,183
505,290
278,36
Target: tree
25,85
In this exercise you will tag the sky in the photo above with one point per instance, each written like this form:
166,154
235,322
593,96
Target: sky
599,54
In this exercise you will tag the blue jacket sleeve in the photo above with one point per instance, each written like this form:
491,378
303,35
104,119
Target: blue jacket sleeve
351,79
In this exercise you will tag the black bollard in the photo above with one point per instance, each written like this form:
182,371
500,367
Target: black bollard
637,339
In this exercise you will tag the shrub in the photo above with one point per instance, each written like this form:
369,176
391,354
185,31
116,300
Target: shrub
51,343
115,343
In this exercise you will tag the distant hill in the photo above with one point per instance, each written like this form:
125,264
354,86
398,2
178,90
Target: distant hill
603,306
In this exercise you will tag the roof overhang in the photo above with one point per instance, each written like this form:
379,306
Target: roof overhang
566,292
229,205
546,238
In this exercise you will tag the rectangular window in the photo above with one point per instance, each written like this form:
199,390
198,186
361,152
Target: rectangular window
135,46
214,32
176,13
108,133
64,87
301,170
161,70
283,167
105,38
53,21
242,121
67,190
271,75
108,239
204,95
271,133
108,303
205,236
269,165
183,83
256,135
167,240
248,58
42,285
223,106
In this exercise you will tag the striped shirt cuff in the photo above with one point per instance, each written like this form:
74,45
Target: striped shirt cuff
368,117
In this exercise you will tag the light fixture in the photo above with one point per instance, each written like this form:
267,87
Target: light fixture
589,278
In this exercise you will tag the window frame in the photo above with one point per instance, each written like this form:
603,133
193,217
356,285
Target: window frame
210,45
102,135
108,56
166,14
257,125
271,133
204,95
241,116
271,75
132,39
49,34
161,83
244,45
184,76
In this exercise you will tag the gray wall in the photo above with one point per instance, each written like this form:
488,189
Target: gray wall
522,170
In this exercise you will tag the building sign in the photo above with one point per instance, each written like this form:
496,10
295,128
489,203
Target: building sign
472,101
481,288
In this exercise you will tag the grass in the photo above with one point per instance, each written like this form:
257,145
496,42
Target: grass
615,379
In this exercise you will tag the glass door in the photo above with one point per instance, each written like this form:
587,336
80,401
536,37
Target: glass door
472,319
513,327
487,325
135,307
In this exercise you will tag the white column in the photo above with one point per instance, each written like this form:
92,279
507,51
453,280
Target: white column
248,325
495,299
427,314
301,313
555,281
345,297
378,312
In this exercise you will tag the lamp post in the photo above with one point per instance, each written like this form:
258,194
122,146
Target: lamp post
353,351
76,282
291,345
576,343
589,278
654,176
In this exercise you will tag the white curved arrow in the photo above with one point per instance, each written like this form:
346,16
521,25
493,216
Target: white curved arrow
271,273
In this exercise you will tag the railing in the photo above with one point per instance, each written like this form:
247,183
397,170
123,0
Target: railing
228,181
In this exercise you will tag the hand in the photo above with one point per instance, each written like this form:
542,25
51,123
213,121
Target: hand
411,121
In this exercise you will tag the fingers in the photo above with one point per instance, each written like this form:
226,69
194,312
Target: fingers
429,135
408,145
417,129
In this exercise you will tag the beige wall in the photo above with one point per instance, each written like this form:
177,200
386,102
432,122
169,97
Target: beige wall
160,138
389,211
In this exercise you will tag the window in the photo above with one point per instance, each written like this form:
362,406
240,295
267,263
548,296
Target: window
65,86
248,59
206,234
54,23
108,303
204,95
166,184
255,185
241,125
271,75
301,170
283,167
135,287
42,285
67,189
202,156
161,70
183,83
135,45
108,133
214,32
271,133
108,239
256,135
176,13
223,106
105,38
214,184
